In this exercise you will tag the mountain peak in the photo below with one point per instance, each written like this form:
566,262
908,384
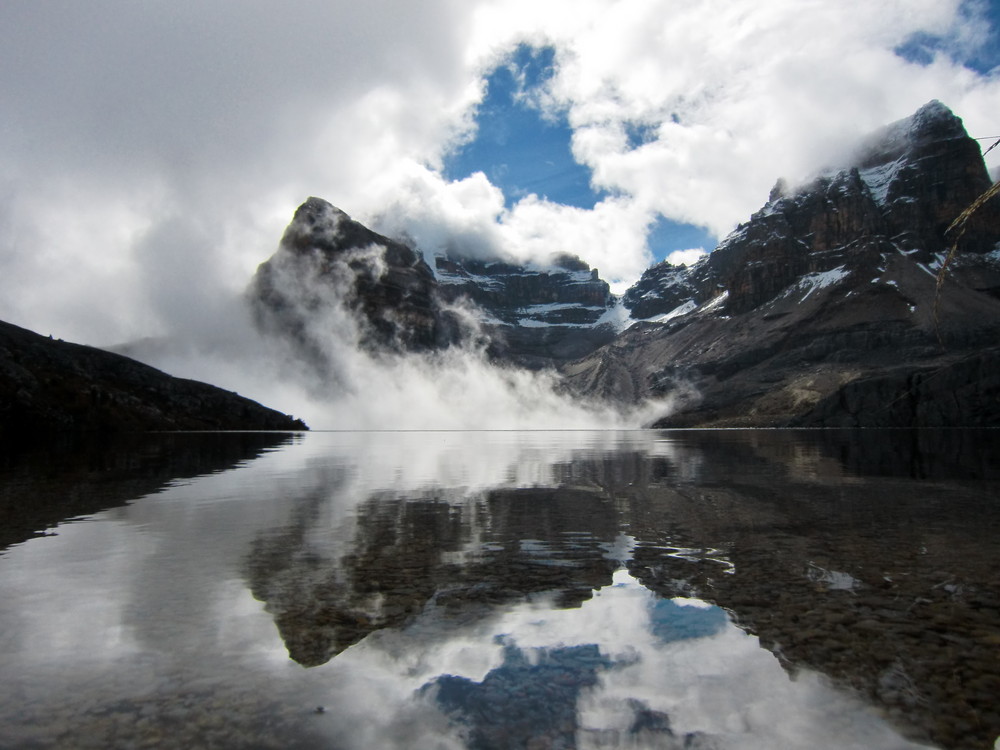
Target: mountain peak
932,123
935,116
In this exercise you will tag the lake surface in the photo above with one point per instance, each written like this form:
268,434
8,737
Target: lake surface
649,589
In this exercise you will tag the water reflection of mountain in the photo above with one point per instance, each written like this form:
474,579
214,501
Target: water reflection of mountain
494,548
70,476
868,557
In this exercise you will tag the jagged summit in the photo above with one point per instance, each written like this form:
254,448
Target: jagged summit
824,287
325,255
907,184
933,122
316,222
385,292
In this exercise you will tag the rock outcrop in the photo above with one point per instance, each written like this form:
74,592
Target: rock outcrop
48,385
532,316
327,265
332,276
823,309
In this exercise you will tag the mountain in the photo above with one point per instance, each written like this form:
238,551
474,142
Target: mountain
331,272
49,384
532,315
326,256
822,309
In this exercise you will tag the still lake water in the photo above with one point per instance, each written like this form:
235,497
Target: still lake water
660,589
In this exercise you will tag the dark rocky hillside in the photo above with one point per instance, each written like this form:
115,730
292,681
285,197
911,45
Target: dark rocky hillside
822,310
48,384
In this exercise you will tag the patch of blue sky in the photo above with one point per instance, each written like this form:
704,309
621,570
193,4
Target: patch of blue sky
524,150
518,147
639,134
923,47
666,237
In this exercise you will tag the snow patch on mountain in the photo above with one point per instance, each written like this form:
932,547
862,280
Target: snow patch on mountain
687,307
879,178
617,316
715,303
819,280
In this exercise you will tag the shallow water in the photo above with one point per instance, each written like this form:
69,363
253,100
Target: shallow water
699,589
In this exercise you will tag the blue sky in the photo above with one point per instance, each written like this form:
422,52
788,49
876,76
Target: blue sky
516,147
924,46
522,150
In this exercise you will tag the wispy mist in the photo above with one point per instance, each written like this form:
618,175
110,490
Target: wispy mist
454,389
322,370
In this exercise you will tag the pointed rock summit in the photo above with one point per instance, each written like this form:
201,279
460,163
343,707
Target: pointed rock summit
906,184
331,271
822,309
332,276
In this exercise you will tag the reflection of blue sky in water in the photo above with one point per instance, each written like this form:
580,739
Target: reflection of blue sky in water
675,620
644,672
533,694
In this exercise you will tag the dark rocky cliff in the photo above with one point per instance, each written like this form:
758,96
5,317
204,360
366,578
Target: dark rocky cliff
48,385
328,263
822,310
532,316
330,272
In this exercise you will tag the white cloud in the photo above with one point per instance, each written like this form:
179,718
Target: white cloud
686,257
611,237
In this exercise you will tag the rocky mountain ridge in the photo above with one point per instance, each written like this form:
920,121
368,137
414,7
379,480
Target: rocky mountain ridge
908,182
823,309
329,270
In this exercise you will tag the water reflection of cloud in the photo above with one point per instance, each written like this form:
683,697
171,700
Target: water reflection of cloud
404,462
150,600
707,683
